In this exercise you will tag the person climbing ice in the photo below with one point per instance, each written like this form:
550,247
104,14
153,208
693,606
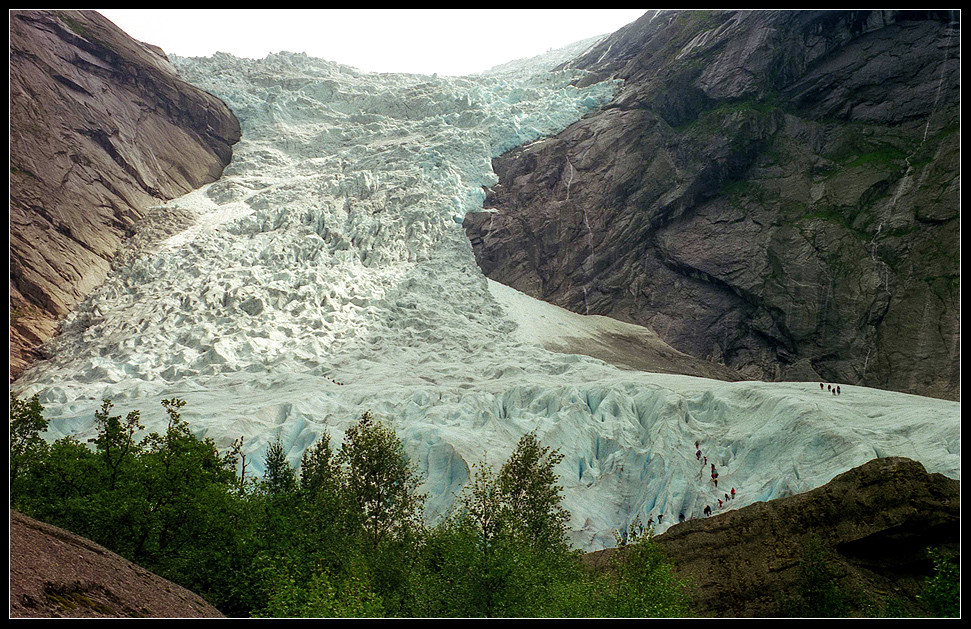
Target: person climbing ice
733,493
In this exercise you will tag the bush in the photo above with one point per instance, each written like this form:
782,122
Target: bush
818,593
942,591
643,584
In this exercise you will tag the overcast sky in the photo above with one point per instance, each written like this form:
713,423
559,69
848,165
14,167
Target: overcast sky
419,41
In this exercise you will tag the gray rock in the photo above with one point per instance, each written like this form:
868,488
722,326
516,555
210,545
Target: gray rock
774,190
101,128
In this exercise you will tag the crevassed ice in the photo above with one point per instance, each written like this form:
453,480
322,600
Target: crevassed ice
327,273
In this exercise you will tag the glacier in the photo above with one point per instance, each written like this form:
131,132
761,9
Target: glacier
327,273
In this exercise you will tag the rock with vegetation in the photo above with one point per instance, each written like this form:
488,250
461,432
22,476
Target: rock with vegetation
101,129
864,544
777,191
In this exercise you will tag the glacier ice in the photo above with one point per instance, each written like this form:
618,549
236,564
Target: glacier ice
327,273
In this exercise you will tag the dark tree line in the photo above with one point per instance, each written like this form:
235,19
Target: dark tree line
342,535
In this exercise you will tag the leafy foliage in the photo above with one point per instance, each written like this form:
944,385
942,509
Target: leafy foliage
379,480
942,591
342,535
26,446
527,483
644,585
818,593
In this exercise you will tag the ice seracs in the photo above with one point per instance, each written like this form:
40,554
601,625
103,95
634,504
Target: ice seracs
327,273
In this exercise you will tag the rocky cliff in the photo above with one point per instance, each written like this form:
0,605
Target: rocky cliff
101,129
56,574
777,191
873,523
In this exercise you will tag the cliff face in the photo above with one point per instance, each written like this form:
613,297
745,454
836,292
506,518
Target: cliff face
101,129
874,523
774,190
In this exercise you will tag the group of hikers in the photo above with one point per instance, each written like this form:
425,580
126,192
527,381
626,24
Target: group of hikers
714,479
835,390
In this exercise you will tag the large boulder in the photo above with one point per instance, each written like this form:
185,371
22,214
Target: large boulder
774,190
101,129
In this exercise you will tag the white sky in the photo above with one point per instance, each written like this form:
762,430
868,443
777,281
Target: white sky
418,41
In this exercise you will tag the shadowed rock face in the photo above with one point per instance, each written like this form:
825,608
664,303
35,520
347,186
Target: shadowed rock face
777,191
875,523
101,129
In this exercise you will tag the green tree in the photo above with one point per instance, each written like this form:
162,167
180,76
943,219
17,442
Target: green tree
382,508
186,522
503,551
319,471
279,477
477,557
380,481
528,484
27,447
942,591
642,583
319,595
116,441
58,488
818,593
181,479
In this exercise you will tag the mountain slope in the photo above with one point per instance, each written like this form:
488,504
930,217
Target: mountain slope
101,130
776,191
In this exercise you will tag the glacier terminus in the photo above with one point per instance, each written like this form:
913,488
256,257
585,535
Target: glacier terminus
327,273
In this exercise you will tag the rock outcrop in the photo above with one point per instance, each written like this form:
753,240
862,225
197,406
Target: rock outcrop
101,129
875,523
56,574
774,190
